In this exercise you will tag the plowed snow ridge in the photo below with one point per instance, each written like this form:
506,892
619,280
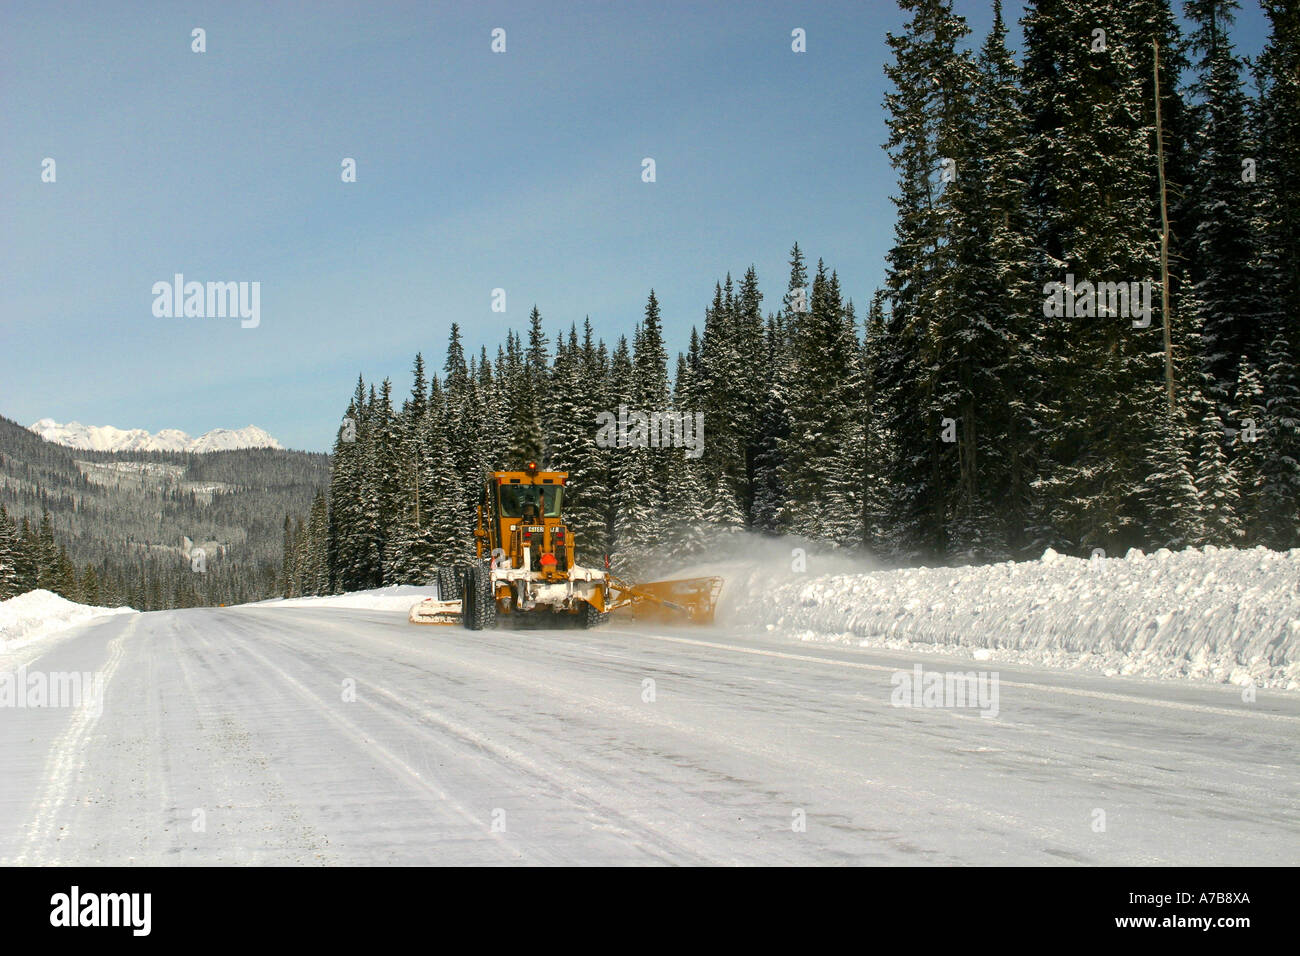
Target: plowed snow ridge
1206,614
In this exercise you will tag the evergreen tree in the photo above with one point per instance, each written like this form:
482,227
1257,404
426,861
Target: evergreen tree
1280,467
685,532
824,352
924,374
1249,436
89,587
1216,482
768,512
1092,182
27,563
47,555
1224,247
878,460
8,556
288,561
1278,222
526,383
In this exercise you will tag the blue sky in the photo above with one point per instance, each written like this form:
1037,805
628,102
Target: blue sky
475,171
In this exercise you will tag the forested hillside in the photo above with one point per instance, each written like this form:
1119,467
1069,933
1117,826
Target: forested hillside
130,522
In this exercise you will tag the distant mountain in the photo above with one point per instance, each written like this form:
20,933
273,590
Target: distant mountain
108,438
138,515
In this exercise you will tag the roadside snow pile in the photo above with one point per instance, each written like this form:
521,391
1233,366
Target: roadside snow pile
397,597
1212,614
38,614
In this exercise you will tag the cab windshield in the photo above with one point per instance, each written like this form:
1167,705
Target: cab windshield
519,501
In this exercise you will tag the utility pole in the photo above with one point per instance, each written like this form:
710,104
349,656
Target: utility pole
1164,232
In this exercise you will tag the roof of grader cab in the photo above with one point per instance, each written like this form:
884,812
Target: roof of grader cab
530,477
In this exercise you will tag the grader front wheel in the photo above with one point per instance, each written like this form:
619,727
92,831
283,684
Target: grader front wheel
590,617
478,598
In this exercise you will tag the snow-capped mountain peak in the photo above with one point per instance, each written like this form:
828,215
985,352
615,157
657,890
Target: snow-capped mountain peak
108,438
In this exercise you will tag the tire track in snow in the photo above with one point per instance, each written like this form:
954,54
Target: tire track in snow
366,743
64,764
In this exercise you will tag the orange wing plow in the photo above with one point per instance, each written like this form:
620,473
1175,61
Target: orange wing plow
684,601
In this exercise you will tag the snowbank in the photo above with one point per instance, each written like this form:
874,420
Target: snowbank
1218,615
39,614
398,597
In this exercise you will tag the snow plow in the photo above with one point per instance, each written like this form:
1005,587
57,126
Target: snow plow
524,565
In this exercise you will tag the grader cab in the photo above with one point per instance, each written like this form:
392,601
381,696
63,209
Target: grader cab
524,564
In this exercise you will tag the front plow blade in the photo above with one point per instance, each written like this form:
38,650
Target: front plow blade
433,611
684,601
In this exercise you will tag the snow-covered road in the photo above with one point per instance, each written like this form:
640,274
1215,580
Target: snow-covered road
230,736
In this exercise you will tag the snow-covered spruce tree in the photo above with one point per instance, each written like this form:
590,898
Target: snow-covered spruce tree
465,431
1007,346
723,381
367,567
449,541
1223,247
89,588
1279,504
628,465
772,427
751,375
8,556
298,566
1173,519
1278,124
401,541
525,387
824,349
591,472
723,515
577,390
490,443
288,584
562,418
923,365
492,414
686,531
414,560
567,426
846,524
27,563
1216,481
1248,428
1091,188
392,485
415,406
686,383
314,549
346,480
47,566
641,471
878,446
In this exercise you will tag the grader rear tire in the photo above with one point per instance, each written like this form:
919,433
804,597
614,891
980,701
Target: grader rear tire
448,585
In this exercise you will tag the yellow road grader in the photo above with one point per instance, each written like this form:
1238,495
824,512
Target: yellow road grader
524,565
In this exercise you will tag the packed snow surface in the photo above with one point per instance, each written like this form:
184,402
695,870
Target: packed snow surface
36,615
108,438
1214,614
310,735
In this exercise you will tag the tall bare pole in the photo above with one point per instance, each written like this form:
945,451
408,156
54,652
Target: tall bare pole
1164,233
